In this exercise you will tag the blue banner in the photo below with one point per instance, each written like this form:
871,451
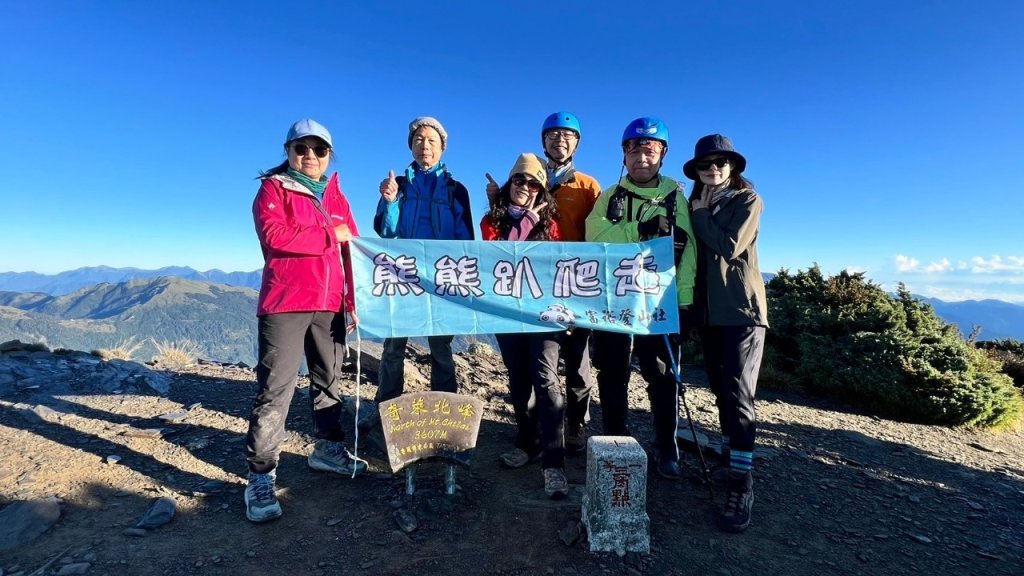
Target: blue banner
448,287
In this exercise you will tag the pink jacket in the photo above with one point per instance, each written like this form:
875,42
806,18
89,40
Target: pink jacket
303,269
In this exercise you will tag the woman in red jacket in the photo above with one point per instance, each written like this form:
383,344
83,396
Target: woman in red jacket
524,210
304,224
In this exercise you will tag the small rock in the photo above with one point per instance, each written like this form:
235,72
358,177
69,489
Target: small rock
333,521
570,533
406,520
160,512
143,432
922,539
112,459
22,522
176,416
73,568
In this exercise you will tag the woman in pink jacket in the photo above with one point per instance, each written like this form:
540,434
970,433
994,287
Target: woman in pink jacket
304,224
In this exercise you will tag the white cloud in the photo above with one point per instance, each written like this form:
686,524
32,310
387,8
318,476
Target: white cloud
936,267
905,263
996,264
961,293
1011,265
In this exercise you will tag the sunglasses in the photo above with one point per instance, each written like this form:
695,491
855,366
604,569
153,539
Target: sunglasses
706,164
533,185
321,151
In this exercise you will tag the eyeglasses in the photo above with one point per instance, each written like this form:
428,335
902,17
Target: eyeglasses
703,165
321,151
556,135
533,185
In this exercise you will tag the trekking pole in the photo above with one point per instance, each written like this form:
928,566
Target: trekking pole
677,372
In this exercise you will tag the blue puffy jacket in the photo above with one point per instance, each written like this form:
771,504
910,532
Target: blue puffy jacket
448,204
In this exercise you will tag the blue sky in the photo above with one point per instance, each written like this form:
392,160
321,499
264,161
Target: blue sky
883,136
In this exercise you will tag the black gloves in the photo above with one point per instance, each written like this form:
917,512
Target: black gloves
654,227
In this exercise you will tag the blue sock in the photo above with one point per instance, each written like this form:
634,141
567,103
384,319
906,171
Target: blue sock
741,461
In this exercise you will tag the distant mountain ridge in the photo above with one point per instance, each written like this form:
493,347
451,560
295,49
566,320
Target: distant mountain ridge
221,319
998,319
72,280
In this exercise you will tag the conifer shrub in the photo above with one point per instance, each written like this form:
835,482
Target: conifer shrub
1010,354
846,338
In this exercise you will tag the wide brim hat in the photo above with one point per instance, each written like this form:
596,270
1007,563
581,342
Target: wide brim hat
714,144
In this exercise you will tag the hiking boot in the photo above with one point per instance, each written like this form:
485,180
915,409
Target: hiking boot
575,438
515,458
669,468
739,499
556,485
330,456
261,502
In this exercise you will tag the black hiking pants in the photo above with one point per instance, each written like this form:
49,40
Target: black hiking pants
614,350
283,338
732,355
391,377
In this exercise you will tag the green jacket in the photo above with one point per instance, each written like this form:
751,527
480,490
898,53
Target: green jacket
730,288
600,229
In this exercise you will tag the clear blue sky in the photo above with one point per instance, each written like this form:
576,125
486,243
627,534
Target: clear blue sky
883,136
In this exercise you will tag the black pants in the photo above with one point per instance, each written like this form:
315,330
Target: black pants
733,358
579,381
391,380
282,340
614,350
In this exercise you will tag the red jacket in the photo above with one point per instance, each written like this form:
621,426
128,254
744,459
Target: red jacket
303,270
489,230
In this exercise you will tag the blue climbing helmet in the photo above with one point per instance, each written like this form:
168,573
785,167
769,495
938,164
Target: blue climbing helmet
565,120
647,127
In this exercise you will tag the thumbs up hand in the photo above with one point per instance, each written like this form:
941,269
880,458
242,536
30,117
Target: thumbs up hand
389,187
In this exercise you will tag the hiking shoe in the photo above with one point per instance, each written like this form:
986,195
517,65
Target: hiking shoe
739,499
330,456
669,468
515,458
261,502
556,485
575,438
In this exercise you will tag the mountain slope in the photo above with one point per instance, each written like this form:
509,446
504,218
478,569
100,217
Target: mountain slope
221,319
996,318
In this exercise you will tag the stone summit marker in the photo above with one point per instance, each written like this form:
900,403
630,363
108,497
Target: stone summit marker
431,426
615,503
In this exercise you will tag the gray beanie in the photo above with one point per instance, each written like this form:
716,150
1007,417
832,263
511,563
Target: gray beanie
433,123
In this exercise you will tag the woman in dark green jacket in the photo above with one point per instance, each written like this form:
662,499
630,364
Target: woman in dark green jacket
730,306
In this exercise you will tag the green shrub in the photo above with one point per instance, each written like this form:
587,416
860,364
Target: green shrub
847,338
1009,354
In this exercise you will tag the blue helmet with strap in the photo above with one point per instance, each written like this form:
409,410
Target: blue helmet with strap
565,120
648,128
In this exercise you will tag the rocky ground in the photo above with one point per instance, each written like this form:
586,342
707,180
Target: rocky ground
88,447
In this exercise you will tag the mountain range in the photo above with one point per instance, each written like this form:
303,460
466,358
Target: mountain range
68,282
103,307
